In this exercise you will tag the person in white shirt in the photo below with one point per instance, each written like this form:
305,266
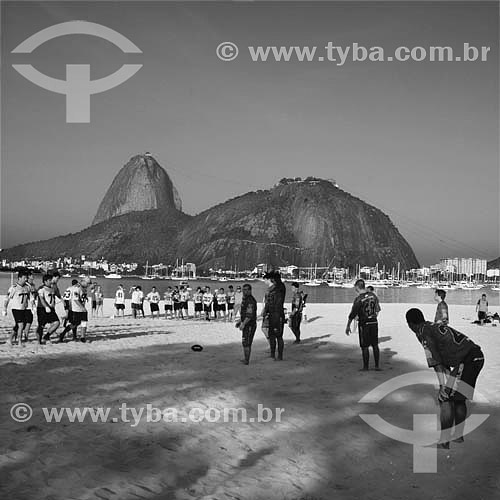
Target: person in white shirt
153,297
137,299
120,301
19,295
221,303
184,298
169,301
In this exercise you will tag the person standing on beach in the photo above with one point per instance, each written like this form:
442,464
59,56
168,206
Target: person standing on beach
198,303
221,304
446,348
176,298
238,298
78,316
207,302
184,301
274,313
136,300
93,299
296,314
168,301
153,297
46,310
120,301
29,310
18,294
230,302
66,298
366,308
482,309
247,322
99,299
441,317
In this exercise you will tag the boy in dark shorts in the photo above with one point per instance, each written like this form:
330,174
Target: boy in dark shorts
45,310
248,322
19,295
366,307
153,297
230,302
457,362
207,302
441,317
168,299
198,303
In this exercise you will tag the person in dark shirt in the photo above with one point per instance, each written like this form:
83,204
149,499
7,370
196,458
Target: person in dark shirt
274,313
441,316
366,308
296,315
457,361
248,321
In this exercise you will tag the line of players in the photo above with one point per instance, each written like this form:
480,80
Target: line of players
220,304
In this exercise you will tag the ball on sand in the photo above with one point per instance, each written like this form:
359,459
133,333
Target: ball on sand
196,348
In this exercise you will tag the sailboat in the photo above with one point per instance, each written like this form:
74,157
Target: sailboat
146,277
313,281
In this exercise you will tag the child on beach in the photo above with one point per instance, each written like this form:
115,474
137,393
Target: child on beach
482,309
441,317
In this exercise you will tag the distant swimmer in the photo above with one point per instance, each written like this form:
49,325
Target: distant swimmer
18,296
366,308
441,317
120,301
153,297
248,322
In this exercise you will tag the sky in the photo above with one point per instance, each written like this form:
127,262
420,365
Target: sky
419,140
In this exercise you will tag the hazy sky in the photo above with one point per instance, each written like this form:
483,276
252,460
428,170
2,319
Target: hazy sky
418,140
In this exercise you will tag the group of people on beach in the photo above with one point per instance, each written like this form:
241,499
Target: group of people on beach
456,359
208,305
24,297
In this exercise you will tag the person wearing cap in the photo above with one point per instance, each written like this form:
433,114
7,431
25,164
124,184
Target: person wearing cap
296,315
274,312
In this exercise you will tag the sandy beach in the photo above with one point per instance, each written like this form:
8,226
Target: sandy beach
321,448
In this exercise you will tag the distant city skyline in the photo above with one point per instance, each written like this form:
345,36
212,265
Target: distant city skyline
418,140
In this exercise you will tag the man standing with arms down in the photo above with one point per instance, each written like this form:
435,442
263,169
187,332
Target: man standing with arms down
274,312
444,348
248,322
296,315
366,307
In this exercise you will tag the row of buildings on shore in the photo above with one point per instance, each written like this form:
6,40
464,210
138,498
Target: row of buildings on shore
448,269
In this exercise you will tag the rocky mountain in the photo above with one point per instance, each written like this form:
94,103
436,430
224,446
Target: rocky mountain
299,222
142,184
296,222
133,237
